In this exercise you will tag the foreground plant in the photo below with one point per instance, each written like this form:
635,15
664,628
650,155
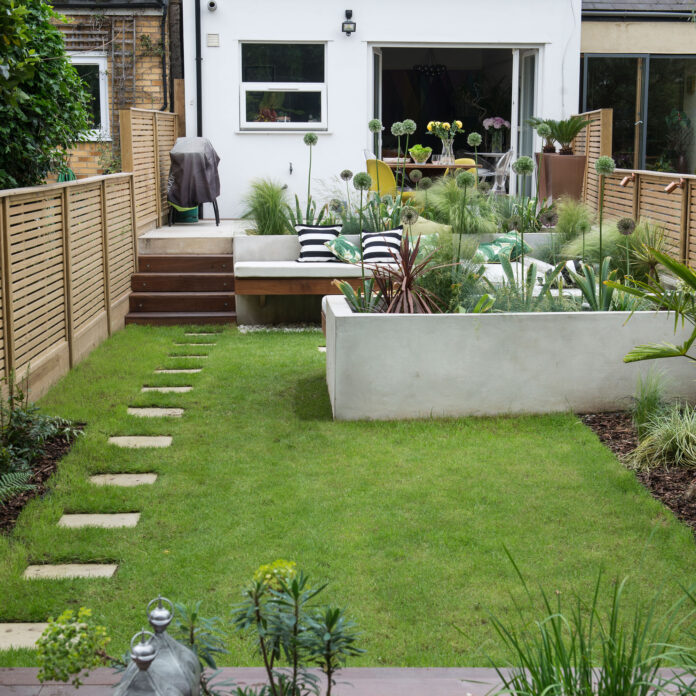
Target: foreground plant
266,204
605,166
524,167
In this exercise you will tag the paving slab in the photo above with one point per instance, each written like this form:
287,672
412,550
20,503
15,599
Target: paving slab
60,571
167,390
202,333
195,344
138,441
105,521
189,371
123,480
201,357
322,349
19,635
152,412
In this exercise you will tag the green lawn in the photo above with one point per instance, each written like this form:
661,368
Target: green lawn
407,520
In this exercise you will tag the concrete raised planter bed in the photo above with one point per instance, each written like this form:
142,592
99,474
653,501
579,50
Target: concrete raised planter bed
386,367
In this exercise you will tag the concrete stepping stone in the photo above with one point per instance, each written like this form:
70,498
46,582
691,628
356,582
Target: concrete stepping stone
202,357
123,480
202,333
20,635
60,571
167,390
110,521
138,441
189,371
152,412
195,345
322,349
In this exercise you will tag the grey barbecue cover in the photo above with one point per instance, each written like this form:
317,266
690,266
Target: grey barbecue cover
193,175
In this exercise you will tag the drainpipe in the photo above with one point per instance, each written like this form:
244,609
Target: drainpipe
163,34
199,86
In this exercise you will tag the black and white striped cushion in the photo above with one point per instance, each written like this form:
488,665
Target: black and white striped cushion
312,239
382,247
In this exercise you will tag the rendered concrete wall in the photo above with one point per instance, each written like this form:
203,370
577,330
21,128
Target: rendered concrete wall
638,37
384,367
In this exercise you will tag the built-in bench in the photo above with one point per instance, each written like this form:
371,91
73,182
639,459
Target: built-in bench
272,287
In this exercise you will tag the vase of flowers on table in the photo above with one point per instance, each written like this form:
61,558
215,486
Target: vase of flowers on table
446,132
496,127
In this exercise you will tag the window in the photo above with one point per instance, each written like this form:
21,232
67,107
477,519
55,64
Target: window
91,67
283,87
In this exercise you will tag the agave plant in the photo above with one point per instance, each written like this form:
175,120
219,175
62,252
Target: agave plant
398,283
566,130
591,289
362,299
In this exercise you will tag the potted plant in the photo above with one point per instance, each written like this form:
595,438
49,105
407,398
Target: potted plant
563,172
420,154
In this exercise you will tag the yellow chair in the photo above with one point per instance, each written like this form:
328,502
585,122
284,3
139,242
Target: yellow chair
387,182
465,160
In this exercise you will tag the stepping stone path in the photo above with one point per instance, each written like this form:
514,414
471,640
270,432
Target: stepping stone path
190,371
167,390
20,635
138,441
69,570
195,344
322,349
110,521
152,412
202,357
123,480
202,333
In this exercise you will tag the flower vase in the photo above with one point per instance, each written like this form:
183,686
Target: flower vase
497,141
447,151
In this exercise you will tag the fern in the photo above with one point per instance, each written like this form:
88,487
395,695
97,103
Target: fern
13,483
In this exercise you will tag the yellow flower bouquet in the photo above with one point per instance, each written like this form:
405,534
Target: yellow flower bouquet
445,129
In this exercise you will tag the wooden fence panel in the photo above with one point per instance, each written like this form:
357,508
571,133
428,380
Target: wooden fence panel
60,244
146,139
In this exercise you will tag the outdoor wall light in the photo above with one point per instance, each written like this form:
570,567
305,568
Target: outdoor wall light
348,25
675,184
628,179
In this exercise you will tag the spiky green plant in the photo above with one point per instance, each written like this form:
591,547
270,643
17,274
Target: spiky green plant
649,400
566,130
266,205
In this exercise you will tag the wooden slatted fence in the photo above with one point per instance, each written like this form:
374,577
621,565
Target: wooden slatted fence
66,257
146,139
664,198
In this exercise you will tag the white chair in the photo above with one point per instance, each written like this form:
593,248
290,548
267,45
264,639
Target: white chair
369,155
502,171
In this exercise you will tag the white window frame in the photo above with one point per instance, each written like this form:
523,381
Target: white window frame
99,59
244,87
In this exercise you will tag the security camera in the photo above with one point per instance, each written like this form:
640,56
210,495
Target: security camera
212,5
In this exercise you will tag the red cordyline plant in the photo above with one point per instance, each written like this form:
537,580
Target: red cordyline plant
398,283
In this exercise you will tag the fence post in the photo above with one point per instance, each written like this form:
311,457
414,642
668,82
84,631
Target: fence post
158,197
5,266
105,257
67,272
636,196
684,223
126,126
134,221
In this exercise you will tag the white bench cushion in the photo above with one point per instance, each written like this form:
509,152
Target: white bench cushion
293,269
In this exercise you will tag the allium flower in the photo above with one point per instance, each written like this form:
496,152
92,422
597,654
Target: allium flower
484,187
416,175
335,206
362,181
346,175
605,165
548,218
310,139
514,222
425,183
544,130
465,179
397,129
626,226
375,125
387,200
524,166
474,139
409,126
409,215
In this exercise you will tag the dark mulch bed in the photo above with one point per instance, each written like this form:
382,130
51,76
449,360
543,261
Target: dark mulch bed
43,470
675,487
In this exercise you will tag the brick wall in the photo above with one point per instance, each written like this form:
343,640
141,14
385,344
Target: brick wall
132,44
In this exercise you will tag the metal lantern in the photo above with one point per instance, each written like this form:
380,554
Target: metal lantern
160,665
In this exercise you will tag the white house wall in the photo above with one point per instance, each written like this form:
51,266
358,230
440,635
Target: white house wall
552,26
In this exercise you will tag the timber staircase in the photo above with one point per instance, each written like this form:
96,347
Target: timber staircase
182,280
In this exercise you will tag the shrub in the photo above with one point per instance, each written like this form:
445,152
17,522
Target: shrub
669,440
43,102
649,401
574,219
266,205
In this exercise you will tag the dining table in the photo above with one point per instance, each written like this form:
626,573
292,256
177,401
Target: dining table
428,169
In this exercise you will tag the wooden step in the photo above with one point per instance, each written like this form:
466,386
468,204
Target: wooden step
182,282
181,302
185,263
180,318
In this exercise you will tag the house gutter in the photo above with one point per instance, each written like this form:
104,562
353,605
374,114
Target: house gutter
598,14
199,86
163,38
